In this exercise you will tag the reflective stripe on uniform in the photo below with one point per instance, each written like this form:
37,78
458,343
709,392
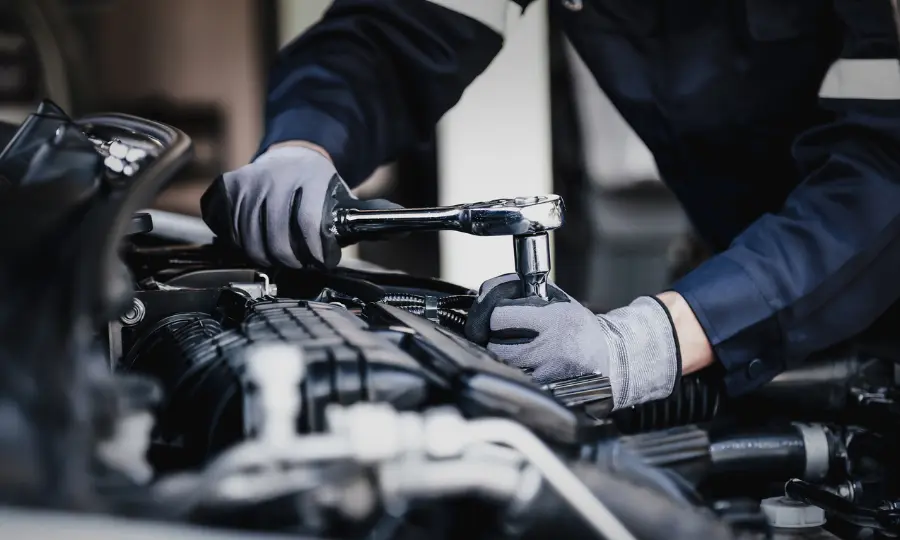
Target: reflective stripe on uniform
862,79
491,13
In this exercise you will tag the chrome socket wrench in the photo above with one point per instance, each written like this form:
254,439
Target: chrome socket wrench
526,219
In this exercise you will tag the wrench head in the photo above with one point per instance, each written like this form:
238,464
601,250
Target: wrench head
514,217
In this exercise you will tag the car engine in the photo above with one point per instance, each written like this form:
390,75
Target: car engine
156,381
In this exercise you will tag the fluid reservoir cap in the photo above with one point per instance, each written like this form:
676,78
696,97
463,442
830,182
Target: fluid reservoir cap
786,513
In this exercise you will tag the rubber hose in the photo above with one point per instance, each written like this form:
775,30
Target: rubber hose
456,301
449,308
402,298
774,453
452,319
449,318
817,389
449,302
168,350
836,505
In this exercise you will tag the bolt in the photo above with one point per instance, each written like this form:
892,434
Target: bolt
135,313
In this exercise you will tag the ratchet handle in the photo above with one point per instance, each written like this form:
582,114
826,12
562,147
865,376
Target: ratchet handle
527,220
503,217
363,224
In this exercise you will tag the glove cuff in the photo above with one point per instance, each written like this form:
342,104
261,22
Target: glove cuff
293,151
644,361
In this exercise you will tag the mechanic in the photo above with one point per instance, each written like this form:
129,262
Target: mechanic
775,122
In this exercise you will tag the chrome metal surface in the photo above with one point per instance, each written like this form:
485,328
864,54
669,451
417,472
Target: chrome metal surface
502,217
532,254
527,219
135,313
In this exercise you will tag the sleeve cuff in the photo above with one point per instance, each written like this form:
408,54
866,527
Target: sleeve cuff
739,322
307,124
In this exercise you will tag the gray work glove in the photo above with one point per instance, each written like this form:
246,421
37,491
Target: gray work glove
278,208
635,346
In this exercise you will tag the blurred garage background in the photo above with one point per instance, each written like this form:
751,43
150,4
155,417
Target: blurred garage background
201,65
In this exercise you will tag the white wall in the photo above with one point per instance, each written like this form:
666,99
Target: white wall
295,16
615,156
496,143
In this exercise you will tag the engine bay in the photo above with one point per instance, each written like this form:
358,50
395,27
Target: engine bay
163,379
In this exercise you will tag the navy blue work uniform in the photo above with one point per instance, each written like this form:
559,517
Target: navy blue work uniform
775,122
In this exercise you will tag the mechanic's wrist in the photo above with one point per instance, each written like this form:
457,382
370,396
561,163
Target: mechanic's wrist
644,359
301,144
696,351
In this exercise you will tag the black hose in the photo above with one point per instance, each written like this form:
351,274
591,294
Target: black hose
774,452
451,319
769,454
450,309
447,302
402,298
456,301
884,518
168,350
818,389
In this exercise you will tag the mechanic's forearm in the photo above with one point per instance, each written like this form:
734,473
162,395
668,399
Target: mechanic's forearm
696,351
371,79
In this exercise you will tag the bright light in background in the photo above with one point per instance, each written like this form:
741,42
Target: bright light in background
294,17
496,144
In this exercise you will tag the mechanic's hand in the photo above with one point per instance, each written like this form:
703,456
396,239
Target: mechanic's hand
278,208
635,346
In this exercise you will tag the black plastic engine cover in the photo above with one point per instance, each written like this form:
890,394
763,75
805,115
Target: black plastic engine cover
483,385
203,374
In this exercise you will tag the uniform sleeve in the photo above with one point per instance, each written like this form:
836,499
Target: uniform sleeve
824,268
373,77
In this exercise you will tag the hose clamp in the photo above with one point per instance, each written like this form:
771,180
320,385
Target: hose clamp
818,450
431,309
